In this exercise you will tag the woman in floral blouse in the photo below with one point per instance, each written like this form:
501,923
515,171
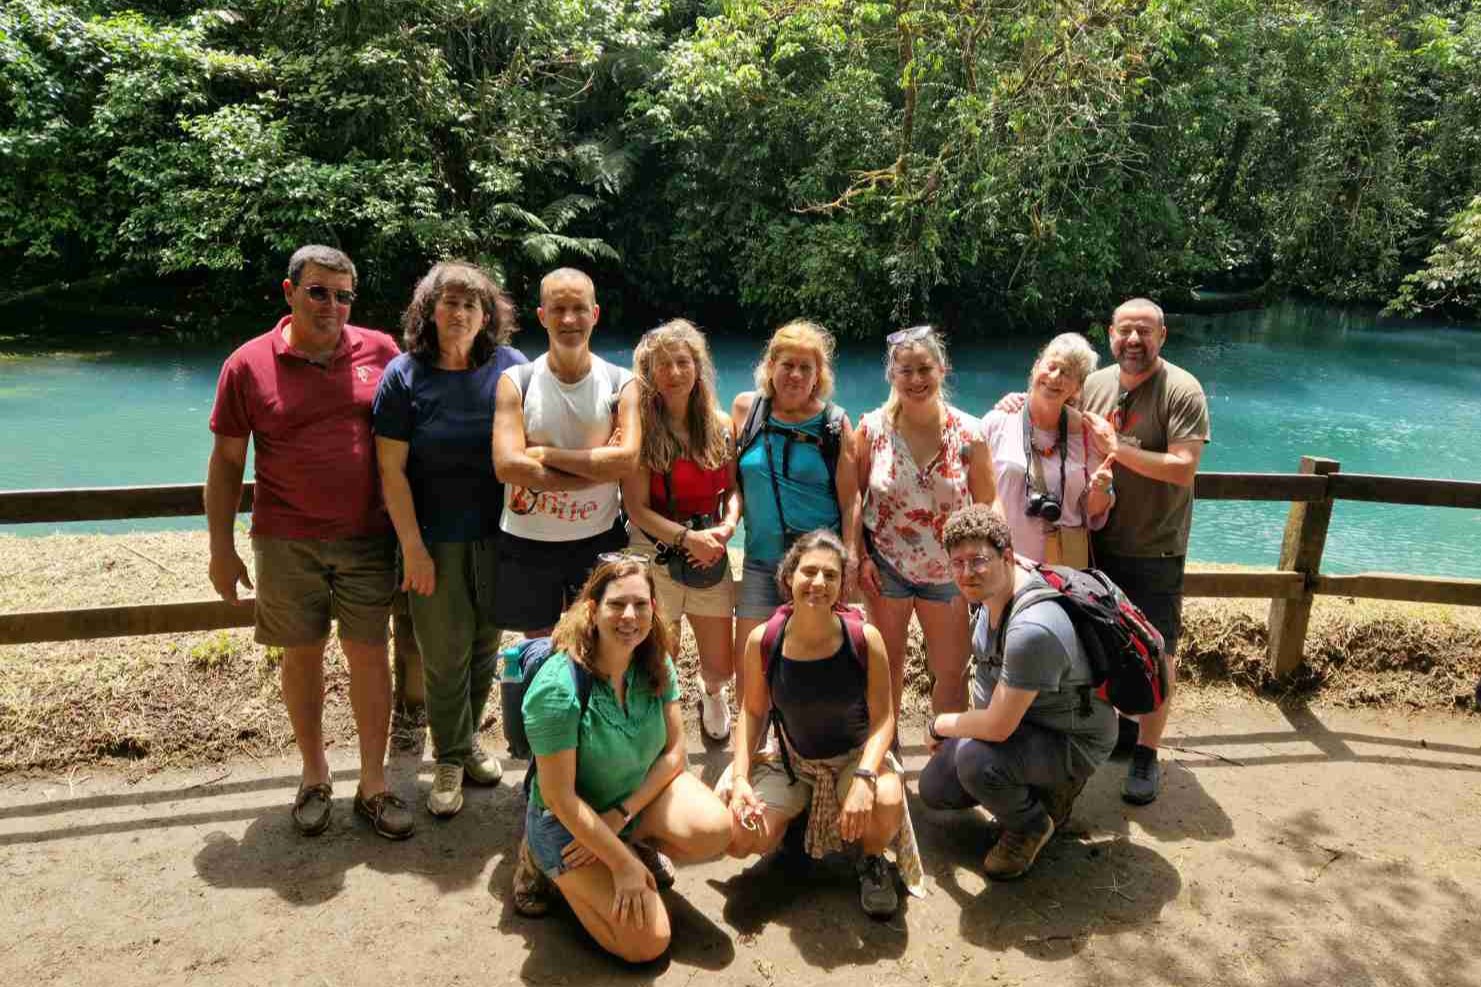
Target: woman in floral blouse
919,459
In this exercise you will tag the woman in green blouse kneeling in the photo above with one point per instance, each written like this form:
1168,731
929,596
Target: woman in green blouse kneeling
611,794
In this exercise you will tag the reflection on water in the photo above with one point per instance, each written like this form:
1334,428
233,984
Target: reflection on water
1287,381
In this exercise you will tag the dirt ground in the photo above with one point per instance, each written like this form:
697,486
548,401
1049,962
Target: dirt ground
1290,846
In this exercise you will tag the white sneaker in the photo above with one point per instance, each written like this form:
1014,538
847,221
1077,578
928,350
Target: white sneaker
446,798
714,714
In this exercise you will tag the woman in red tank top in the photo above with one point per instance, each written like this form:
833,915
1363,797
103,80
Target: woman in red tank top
683,496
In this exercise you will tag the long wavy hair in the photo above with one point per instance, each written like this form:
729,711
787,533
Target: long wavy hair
576,634
825,538
799,334
709,431
933,344
419,328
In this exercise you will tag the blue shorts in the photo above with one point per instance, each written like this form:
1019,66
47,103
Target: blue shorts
897,587
758,596
548,838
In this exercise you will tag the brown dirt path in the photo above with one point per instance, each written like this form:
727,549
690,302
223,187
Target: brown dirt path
1289,847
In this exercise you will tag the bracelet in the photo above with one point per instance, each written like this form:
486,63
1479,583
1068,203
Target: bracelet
683,533
621,807
867,775
931,729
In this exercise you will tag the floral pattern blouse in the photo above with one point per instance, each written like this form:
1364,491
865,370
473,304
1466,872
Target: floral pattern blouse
906,505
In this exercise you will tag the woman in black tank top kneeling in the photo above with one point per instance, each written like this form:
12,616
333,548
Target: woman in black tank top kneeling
835,709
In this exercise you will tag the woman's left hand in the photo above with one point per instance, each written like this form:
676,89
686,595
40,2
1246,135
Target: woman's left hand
858,804
1104,435
704,548
577,855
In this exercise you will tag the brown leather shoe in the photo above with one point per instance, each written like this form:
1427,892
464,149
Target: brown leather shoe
1059,800
388,815
1016,851
311,808
532,889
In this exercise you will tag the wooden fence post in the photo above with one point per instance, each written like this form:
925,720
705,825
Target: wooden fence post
1301,551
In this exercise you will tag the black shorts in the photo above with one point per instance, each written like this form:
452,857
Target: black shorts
1154,584
537,580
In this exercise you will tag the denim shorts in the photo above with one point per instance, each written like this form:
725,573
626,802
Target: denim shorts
757,597
548,838
897,587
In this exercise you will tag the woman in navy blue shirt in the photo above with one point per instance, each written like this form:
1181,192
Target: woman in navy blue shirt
434,412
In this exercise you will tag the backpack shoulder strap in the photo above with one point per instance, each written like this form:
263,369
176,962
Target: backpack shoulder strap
755,422
581,679
853,626
771,638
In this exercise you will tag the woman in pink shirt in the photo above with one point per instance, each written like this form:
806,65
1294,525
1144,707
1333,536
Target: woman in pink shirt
919,460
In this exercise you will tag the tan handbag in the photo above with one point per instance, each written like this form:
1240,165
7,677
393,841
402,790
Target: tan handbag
1067,546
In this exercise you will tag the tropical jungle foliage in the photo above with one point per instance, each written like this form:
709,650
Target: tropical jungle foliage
988,163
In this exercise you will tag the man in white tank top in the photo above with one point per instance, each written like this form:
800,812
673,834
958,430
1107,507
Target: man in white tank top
554,449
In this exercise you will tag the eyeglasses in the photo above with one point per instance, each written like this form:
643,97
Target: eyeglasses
911,335
977,564
322,294
616,558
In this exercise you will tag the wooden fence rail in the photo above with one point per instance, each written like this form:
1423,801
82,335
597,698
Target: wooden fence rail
1290,587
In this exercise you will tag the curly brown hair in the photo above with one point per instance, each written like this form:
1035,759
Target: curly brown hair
419,329
576,634
976,523
825,538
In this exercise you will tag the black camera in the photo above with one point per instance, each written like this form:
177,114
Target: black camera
1043,505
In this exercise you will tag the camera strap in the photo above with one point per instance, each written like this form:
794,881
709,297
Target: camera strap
1031,455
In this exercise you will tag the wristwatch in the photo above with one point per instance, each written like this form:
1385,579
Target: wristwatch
621,807
931,728
867,775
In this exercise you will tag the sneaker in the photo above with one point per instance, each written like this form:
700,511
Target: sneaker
1143,777
311,808
658,864
532,889
388,814
482,768
1059,800
714,714
877,894
1016,850
446,798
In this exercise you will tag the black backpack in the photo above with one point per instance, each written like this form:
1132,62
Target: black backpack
522,663
1122,646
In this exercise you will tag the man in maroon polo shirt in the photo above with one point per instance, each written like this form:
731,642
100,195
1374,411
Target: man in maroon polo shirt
321,539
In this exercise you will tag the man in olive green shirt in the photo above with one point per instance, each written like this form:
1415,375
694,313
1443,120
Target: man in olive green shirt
1158,418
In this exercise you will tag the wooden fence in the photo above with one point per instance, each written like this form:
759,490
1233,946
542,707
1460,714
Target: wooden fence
1290,587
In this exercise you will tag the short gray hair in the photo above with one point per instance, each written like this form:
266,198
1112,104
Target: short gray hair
329,258
1146,303
1080,358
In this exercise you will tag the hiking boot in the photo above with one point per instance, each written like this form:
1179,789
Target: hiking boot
714,715
532,889
311,808
1143,777
877,894
388,815
446,798
1059,800
481,767
1016,850
658,864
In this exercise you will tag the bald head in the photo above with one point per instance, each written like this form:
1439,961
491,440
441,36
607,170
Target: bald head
1139,305
564,277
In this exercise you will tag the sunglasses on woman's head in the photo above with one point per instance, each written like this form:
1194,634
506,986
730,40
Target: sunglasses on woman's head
615,558
910,335
322,294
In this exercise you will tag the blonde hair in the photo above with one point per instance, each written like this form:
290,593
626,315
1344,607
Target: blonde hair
1078,355
934,344
709,434
576,634
799,334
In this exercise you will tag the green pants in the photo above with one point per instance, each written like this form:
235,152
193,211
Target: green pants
459,643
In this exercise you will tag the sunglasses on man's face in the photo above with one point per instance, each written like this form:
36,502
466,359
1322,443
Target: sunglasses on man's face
322,294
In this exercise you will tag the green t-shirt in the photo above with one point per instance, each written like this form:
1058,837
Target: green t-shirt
1151,518
615,748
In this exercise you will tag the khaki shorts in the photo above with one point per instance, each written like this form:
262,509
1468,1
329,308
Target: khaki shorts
674,598
770,783
303,582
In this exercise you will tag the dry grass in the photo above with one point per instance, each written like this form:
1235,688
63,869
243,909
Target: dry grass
155,702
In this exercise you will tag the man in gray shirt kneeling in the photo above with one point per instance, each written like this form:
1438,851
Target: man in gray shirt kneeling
1036,731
